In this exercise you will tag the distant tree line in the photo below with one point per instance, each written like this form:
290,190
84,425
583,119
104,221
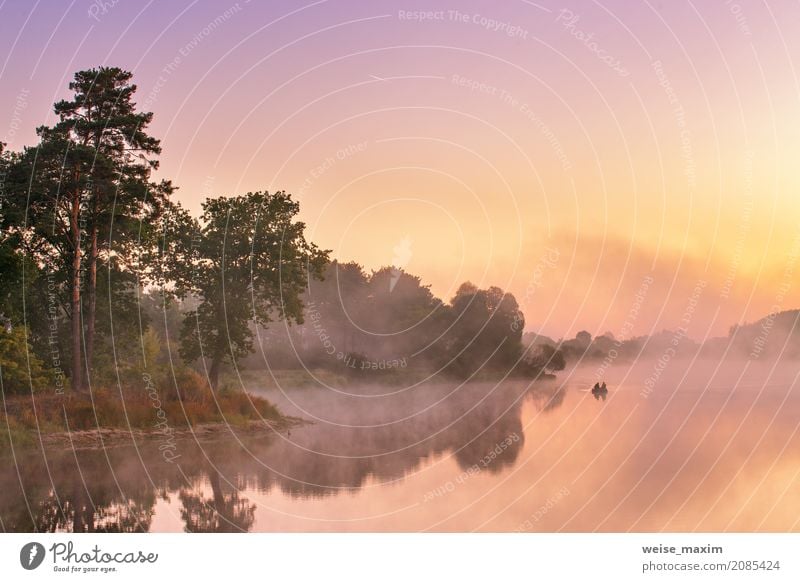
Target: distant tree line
387,322
775,336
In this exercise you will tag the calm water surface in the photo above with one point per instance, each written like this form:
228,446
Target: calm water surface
707,450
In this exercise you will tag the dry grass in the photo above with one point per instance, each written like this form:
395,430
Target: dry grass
179,401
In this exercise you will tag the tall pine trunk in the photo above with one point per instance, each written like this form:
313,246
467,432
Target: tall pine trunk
75,234
90,324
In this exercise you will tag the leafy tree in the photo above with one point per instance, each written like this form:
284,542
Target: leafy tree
84,196
340,299
543,357
578,347
52,182
405,312
486,330
10,283
11,261
249,263
102,115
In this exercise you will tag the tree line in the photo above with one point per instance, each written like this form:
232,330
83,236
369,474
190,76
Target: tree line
88,236
387,322
85,228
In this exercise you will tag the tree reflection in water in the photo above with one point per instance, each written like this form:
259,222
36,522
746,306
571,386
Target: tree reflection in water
223,512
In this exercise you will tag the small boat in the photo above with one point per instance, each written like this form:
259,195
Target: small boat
600,391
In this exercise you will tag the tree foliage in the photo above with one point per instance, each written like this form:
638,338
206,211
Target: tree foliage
249,263
82,200
21,371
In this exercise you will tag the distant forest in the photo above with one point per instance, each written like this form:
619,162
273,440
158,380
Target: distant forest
775,336
386,324
106,278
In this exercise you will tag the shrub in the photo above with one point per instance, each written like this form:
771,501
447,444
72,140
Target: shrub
22,371
192,387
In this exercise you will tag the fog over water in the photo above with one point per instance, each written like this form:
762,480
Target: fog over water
713,447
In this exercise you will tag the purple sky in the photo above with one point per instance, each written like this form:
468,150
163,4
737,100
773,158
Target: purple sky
635,138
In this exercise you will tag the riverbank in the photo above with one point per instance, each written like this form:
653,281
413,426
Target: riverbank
102,438
166,411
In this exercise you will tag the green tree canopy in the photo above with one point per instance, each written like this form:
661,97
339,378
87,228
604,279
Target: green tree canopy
82,198
249,264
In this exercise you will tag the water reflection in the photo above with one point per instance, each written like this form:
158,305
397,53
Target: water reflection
226,511
117,490
711,451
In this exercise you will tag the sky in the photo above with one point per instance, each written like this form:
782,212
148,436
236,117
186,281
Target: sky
617,166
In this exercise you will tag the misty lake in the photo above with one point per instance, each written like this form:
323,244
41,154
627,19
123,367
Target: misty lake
709,449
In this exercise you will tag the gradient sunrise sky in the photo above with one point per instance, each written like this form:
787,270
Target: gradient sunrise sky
573,153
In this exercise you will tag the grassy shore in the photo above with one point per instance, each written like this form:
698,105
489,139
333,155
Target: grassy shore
170,406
